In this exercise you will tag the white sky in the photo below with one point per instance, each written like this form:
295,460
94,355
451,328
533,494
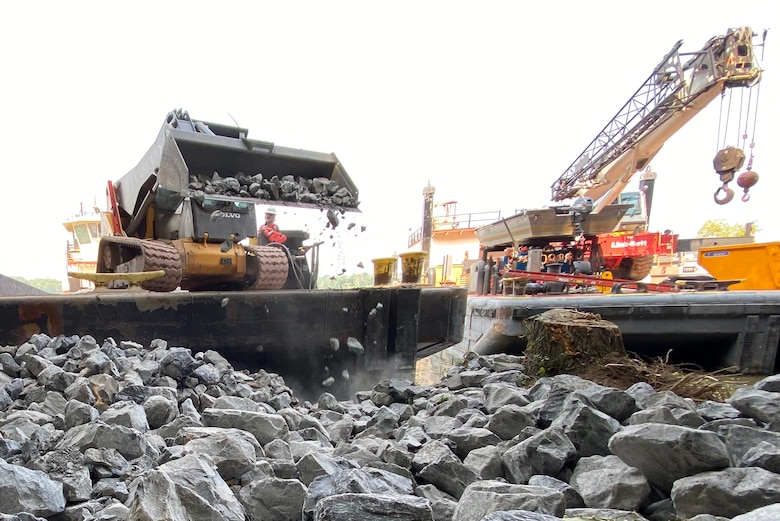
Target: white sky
488,101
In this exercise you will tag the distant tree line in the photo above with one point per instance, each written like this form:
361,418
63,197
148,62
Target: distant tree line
47,285
355,280
720,228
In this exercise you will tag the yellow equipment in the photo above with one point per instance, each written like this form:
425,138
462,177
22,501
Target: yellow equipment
757,264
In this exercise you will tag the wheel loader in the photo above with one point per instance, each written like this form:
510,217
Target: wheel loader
186,213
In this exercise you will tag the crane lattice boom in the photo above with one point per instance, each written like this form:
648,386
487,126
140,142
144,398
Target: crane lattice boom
674,92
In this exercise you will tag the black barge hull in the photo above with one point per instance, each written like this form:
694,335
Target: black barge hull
287,332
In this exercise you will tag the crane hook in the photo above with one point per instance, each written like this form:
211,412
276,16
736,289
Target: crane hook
746,181
729,194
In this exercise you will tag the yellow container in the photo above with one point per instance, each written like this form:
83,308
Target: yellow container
758,264
384,270
412,263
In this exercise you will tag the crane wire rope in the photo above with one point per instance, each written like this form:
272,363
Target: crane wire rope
755,117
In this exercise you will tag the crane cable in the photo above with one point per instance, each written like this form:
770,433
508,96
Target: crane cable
744,135
755,118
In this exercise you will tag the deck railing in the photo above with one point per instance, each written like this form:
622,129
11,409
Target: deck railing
464,221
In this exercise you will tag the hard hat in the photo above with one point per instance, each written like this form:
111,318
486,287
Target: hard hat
270,210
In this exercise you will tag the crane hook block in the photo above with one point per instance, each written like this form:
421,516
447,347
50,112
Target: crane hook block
728,160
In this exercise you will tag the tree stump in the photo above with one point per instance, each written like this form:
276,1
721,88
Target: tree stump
561,339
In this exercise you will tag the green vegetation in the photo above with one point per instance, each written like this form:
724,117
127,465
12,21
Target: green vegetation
720,228
47,285
356,280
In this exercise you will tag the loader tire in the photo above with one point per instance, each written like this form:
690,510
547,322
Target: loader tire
272,267
161,256
634,268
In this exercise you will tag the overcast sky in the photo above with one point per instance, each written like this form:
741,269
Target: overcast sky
488,101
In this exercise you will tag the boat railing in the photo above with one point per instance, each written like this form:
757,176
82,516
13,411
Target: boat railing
464,221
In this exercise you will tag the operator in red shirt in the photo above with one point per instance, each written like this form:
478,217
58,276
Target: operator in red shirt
269,232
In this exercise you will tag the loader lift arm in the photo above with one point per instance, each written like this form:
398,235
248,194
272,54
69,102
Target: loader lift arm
674,92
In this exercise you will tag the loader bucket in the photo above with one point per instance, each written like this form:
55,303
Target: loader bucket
186,149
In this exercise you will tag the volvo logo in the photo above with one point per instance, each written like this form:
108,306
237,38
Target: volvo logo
227,215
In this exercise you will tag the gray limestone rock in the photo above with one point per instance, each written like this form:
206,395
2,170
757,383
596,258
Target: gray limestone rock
363,481
728,492
509,420
543,453
429,453
273,499
764,406
184,489
177,363
128,442
771,384
604,514
110,460
67,467
501,394
484,497
233,455
765,455
552,393
710,410
26,490
467,439
79,413
316,464
586,427
607,482
448,474
653,415
767,513
666,453
485,462
359,507
442,504
160,410
438,426
518,515
127,414
740,440
473,378
573,498
265,427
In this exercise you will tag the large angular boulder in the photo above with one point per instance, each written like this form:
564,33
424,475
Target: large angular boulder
483,497
32,491
184,489
607,482
728,492
666,453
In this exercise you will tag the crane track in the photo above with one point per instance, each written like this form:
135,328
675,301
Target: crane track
156,255
161,256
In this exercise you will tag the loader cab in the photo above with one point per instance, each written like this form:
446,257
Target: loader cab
219,218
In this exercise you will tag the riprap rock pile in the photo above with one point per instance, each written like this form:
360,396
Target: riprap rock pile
112,431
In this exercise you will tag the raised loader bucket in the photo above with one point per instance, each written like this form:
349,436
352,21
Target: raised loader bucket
194,159
412,266
384,270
